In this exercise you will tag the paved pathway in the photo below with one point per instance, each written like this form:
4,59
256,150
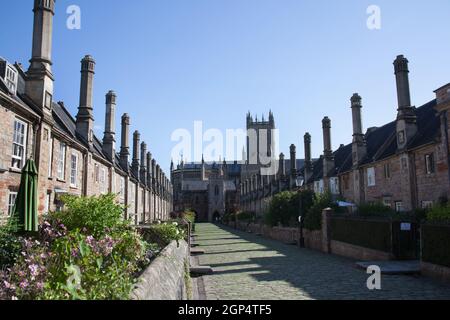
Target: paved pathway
250,267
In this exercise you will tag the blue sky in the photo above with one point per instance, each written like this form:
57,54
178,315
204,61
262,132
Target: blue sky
172,62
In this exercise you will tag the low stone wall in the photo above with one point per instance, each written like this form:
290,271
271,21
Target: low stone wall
358,253
313,239
285,235
320,240
435,271
164,279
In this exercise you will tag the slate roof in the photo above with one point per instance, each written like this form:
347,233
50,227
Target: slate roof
381,142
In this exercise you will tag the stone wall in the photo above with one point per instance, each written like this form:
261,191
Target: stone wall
170,263
319,240
313,239
357,252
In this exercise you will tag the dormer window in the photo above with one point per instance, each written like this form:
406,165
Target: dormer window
10,75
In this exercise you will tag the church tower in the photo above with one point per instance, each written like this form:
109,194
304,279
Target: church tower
260,144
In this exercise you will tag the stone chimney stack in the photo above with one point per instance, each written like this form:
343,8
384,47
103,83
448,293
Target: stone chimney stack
328,159
135,162
406,117
85,117
308,158
109,138
153,174
39,85
125,144
293,150
149,169
282,166
158,178
143,172
359,147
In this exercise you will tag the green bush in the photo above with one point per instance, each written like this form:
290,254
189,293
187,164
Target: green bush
190,216
374,209
439,213
89,269
163,234
435,240
94,215
313,217
10,243
370,234
229,217
286,207
245,216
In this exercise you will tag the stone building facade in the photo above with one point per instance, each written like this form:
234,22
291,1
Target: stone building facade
210,189
403,164
69,157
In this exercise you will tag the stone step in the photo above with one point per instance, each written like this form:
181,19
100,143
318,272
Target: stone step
197,252
201,270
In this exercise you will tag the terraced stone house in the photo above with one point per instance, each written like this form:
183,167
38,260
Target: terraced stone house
69,157
403,164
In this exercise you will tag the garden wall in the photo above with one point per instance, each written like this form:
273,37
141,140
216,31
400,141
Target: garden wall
164,279
435,255
313,239
361,239
352,237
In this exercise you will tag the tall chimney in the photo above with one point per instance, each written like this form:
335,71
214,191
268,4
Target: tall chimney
125,144
293,150
143,170
158,178
109,138
135,162
85,117
308,158
328,160
149,169
282,166
359,147
154,174
406,117
39,84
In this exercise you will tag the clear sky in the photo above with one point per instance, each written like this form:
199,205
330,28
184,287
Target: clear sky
172,62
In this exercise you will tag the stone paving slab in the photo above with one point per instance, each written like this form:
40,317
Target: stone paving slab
250,267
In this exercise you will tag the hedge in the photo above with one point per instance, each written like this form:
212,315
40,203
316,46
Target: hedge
435,244
372,234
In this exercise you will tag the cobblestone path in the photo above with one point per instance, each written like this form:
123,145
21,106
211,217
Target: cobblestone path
247,266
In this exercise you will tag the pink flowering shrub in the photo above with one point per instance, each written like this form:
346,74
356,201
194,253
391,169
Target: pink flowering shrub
73,257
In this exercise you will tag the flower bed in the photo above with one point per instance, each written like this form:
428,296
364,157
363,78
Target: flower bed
86,252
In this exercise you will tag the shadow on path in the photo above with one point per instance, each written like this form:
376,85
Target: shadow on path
259,268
